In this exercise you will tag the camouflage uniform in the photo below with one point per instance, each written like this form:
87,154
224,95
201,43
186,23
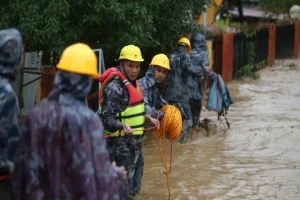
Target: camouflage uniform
152,95
125,150
10,58
177,89
62,153
199,59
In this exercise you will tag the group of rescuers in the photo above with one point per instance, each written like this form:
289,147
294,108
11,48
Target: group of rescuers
62,150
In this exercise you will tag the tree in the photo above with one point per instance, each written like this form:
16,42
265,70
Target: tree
153,25
278,7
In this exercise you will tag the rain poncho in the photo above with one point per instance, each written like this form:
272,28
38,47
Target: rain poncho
10,58
177,92
199,59
152,97
62,153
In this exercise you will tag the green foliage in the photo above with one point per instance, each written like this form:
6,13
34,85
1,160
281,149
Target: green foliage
250,69
52,25
222,24
278,7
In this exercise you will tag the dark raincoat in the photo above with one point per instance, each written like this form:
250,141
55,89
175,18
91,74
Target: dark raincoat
152,96
196,82
199,59
10,58
177,92
62,153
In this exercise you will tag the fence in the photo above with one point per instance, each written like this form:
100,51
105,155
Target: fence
37,81
241,49
217,54
232,55
285,41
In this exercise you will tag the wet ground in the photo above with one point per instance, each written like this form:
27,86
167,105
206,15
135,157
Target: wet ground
258,158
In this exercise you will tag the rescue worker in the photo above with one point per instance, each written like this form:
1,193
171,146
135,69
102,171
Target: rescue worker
176,92
123,114
62,152
153,84
199,59
10,60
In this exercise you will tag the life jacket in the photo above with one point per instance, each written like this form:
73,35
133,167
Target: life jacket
134,114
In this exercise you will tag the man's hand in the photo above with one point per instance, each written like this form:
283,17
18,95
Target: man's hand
153,121
121,170
208,69
127,129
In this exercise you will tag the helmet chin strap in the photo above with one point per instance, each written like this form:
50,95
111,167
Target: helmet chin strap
124,72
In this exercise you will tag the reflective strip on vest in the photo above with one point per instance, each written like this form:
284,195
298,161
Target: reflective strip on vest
134,117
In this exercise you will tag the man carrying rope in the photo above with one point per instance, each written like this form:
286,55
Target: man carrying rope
153,84
62,152
123,113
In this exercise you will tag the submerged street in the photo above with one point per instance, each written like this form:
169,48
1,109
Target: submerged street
258,158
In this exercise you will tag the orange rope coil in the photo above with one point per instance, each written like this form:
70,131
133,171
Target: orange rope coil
171,124
170,127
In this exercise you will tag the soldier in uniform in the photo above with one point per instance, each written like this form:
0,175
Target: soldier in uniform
199,59
10,60
176,92
153,84
123,114
62,152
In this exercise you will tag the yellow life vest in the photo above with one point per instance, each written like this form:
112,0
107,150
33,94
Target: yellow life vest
134,114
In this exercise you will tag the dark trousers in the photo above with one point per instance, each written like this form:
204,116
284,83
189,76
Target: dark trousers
127,151
195,107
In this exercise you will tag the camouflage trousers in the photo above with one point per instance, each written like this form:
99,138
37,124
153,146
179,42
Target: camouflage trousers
127,151
187,122
195,107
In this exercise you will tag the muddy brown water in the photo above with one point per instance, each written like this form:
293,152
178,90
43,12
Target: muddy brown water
258,158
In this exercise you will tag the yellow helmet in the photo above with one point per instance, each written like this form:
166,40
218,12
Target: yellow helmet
131,52
79,58
161,60
185,41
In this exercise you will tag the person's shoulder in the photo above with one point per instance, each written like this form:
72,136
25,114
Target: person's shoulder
143,82
142,79
115,82
42,110
114,86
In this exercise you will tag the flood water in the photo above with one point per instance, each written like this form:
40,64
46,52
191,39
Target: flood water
258,158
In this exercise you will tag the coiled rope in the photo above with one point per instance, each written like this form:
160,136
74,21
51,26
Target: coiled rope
170,128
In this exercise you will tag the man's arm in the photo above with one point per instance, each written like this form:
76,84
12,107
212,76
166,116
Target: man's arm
114,101
191,67
149,109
